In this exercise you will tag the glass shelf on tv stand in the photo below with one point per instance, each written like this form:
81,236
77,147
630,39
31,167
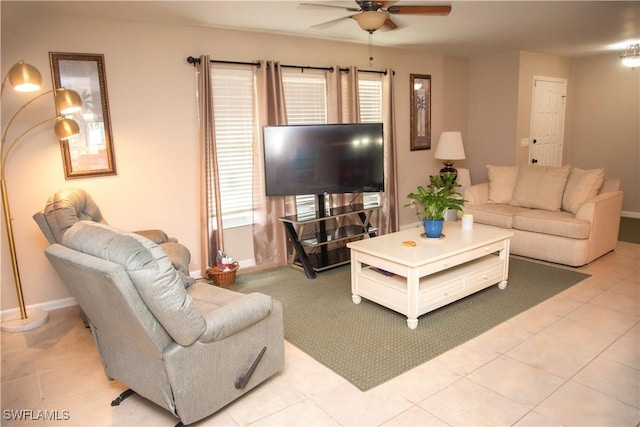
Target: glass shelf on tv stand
346,232
316,216
317,256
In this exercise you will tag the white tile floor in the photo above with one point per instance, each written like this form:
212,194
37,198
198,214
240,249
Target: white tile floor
573,360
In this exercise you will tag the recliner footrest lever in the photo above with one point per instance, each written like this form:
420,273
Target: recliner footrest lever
244,380
118,400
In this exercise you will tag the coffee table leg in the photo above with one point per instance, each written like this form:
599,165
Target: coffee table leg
356,267
413,289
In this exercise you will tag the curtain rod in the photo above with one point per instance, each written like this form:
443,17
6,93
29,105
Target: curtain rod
193,60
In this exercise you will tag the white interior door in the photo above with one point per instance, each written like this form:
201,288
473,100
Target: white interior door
547,121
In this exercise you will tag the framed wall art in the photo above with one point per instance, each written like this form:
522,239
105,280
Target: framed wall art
420,112
90,153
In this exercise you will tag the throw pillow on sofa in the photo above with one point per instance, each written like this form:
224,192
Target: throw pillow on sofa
502,181
540,187
581,186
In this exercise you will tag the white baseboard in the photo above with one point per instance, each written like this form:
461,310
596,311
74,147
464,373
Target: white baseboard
43,306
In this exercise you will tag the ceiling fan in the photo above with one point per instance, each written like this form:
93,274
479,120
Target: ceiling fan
373,15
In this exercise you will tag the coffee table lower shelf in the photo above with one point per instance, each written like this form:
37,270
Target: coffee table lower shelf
435,290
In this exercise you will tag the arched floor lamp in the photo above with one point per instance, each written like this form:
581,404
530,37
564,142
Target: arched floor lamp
26,78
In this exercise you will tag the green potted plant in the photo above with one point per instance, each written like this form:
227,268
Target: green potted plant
433,201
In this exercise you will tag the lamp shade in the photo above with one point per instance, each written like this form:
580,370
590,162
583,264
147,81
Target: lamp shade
631,56
66,128
67,101
24,77
450,146
371,20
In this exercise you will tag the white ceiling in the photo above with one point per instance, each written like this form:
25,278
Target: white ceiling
566,28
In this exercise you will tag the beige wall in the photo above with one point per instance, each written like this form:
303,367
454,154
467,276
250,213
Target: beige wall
605,126
493,102
153,112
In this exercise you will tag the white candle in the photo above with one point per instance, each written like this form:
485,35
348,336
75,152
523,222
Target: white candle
467,222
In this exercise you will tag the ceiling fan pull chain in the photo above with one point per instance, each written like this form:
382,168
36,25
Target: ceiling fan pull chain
370,48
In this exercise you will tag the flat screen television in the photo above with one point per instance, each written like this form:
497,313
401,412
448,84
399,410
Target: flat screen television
323,159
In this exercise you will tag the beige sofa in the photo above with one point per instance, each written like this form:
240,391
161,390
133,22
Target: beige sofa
561,214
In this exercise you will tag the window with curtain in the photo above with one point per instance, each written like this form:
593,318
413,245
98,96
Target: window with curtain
234,118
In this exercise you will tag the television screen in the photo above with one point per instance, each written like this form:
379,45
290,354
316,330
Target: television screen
319,159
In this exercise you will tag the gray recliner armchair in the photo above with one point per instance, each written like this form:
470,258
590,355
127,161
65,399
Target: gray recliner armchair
68,206
191,350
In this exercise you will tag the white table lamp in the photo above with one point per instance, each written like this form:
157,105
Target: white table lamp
449,149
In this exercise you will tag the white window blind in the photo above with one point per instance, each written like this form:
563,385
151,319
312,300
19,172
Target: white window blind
234,128
370,93
305,96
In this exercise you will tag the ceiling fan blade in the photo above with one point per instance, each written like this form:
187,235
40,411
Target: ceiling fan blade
350,9
420,10
389,25
329,23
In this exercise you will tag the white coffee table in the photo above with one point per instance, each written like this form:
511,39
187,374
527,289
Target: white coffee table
436,272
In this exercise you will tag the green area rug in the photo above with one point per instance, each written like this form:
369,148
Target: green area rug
369,344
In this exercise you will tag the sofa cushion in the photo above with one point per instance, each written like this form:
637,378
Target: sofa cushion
581,186
562,224
502,181
151,272
498,215
540,187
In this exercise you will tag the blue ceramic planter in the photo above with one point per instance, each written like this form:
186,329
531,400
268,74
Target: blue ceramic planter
433,227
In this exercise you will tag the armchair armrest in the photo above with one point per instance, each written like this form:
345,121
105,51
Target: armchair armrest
477,194
156,236
235,316
603,212
178,254
603,205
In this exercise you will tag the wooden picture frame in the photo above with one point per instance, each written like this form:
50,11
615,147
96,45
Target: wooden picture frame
420,113
89,153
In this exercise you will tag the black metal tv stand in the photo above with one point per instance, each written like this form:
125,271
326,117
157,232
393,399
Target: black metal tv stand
311,248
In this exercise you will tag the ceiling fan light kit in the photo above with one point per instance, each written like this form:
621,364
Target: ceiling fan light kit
371,21
631,56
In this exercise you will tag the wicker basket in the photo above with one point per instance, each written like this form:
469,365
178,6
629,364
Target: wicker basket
221,277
